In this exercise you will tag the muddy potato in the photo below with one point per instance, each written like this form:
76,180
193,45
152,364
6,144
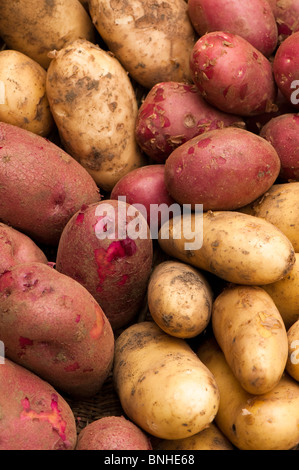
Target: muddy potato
253,422
151,39
23,99
250,331
179,299
292,365
236,247
36,27
94,106
162,385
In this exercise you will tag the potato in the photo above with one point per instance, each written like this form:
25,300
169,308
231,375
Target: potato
285,294
179,299
41,186
51,325
17,248
112,433
100,249
210,438
292,365
172,113
286,68
162,385
223,169
279,205
250,331
253,21
253,422
236,247
286,14
151,39
282,132
25,103
34,416
95,110
52,25
225,67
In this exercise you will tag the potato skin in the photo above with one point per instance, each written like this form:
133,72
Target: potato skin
34,416
51,325
223,169
25,101
179,299
151,39
236,247
286,15
94,110
292,365
112,433
253,422
59,22
224,67
41,186
161,385
250,331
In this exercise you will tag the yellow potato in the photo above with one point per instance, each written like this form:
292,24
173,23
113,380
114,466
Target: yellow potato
36,27
285,294
153,39
253,422
179,299
23,99
94,106
162,385
236,247
293,357
280,206
251,333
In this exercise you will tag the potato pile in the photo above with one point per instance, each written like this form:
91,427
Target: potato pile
149,224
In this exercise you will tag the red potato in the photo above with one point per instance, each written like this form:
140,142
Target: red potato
52,326
171,114
221,169
286,69
41,186
113,433
251,19
225,68
283,133
33,415
99,249
145,189
286,13
17,248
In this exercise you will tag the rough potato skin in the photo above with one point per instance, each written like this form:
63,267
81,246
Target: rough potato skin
224,67
286,14
34,416
51,325
41,186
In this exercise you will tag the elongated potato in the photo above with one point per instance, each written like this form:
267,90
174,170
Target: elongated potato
292,365
152,39
94,106
162,385
253,422
250,331
36,27
179,299
236,247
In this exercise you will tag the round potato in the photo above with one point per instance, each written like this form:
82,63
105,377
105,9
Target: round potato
162,385
179,299
95,109
23,99
292,365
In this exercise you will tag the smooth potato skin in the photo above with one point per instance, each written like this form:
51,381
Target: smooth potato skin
51,325
223,169
95,110
292,365
34,416
161,385
250,331
151,39
41,186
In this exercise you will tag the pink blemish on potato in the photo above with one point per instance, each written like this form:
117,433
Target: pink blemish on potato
53,417
255,55
159,95
225,91
296,119
204,143
97,329
190,150
123,280
72,367
24,342
284,29
78,318
80,218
